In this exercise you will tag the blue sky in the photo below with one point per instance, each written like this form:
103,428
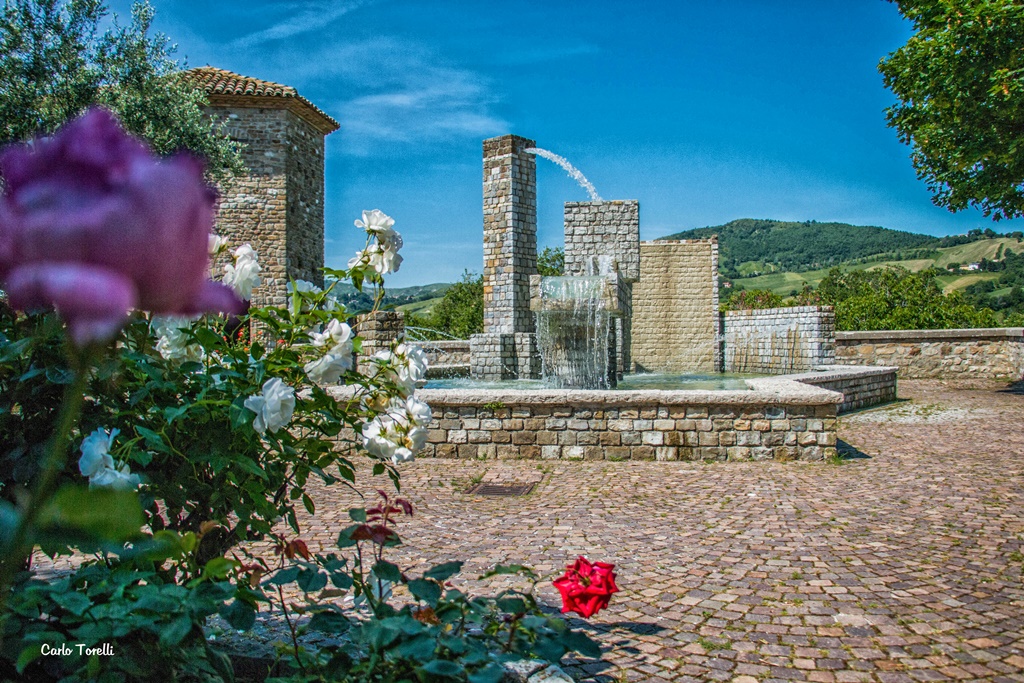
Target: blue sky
705,112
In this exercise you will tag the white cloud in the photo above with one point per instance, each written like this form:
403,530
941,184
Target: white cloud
302,17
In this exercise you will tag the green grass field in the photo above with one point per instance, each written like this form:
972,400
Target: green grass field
784,283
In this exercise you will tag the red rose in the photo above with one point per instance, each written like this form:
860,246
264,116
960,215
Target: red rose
586,587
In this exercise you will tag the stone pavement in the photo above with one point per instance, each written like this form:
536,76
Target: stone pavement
904,563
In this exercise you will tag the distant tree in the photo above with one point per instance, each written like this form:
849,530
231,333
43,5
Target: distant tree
960,84
55,62
461,312
751,299
897,299
551,262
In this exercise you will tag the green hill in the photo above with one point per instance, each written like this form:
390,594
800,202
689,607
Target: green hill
747,246
784,282
398,297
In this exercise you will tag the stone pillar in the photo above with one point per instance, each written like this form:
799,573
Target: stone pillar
608,229
378,330
510,233
510,258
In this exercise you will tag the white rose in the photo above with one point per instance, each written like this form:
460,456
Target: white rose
172,343
376,438
418,411
216,244
243,275
96,452
273,407
379,225
119,480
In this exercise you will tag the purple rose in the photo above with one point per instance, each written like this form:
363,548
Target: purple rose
94,224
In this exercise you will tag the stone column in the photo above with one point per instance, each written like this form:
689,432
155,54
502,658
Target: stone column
510,233
510,258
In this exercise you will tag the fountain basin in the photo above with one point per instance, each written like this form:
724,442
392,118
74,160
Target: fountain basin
774,418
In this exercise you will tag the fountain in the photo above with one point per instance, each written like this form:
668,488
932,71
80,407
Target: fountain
605,318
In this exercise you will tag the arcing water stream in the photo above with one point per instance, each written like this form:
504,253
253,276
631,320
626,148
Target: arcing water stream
573,172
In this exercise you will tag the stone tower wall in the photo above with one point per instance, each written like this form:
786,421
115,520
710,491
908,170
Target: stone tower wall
609,228
675,307
278,205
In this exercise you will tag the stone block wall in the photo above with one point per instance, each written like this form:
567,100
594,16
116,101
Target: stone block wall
447,358
278,205
565,425
675,307
779,340
609,228
996,353
503,356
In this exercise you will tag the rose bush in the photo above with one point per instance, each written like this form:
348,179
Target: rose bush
193,440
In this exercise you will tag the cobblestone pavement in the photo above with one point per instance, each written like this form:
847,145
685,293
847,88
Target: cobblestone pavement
904,563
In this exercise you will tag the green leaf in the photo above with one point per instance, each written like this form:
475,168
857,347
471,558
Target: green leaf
102,514
511,605
172,413
328,621
443,572
153,440
27,656
219,568
311,580
175,632
239,614
239,415
284,576
492,673
59,375
357,514
443,669
426,590
582,643
73,601
256,351
208,338
307,503
387,571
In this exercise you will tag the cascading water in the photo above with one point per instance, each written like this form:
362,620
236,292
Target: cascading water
574,333
573,172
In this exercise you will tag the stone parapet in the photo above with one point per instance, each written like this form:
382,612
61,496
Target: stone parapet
989,353
779,340
504,356
860,387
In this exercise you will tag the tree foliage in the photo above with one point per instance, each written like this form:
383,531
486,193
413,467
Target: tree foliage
461,312
960,84
551,262
55,62
897,299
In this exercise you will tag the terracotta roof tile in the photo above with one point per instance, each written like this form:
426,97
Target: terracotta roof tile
221,83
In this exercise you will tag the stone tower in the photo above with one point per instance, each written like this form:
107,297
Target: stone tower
278,206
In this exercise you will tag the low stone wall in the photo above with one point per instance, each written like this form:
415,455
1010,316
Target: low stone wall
860,387
776,419
779,340
992,353
448,358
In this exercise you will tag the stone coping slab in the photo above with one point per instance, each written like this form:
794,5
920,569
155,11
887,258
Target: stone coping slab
764,391
831,373
923,335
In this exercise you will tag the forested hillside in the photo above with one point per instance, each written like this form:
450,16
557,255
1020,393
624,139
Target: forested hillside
751,245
